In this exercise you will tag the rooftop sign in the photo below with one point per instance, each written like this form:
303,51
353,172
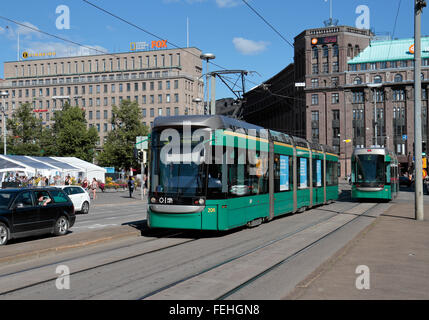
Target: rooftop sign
142,46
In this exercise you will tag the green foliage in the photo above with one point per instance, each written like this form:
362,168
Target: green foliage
24,132
69,136
126,126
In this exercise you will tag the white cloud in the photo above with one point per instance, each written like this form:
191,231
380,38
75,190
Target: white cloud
249,47
26,31
227,3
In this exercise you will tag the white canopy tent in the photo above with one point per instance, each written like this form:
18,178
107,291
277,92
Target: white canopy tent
87,169
49,166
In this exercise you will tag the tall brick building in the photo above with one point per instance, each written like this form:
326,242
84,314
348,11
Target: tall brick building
339,66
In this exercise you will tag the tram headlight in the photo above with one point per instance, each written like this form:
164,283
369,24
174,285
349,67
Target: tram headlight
201,201
153,200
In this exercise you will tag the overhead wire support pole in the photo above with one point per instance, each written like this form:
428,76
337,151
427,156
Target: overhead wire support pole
418,196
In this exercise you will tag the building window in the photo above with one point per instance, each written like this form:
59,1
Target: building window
325,51
335,67
335,98
357,80
315,83
398,78
363,66
352,67
314,99
373,66
335,50
378,79
325,67
315,126
315,68
358,97
379,95
403,63
315,52
349,50
398,95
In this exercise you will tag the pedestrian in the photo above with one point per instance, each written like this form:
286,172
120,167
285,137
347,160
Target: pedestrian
85,184
130,186
144,185
94,185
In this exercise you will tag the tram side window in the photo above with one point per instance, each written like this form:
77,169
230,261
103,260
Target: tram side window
215,189
331,173
246,179
283,168
303,167
317,173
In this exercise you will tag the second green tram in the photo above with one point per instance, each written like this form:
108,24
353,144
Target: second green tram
375,174
219,173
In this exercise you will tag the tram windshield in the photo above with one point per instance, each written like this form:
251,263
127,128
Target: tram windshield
370,169
173,172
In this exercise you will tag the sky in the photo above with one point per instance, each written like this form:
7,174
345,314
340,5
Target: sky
229,29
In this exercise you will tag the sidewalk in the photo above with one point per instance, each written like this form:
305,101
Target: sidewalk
395,248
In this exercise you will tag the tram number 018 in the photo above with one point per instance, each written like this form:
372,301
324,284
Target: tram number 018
211,210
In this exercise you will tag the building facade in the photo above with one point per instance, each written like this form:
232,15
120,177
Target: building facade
348,77
380,85
162,82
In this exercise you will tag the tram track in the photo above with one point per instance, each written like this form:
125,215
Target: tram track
247,252
255,249
65,261
291,256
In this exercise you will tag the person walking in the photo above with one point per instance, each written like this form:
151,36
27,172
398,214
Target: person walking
94,185
130,186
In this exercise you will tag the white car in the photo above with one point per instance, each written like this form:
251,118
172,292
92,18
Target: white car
79,197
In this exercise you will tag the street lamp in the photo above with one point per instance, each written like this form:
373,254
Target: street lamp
375,86
207,57
4,94
197,101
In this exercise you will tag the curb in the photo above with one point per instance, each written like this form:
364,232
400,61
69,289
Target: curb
51,248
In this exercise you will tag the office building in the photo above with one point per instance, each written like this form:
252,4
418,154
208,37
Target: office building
163,82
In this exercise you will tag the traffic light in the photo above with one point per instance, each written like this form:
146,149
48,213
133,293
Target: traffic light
136,154
141,155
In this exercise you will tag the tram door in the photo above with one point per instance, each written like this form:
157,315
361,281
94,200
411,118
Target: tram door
317,181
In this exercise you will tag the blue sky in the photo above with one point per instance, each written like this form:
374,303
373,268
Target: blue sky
227,28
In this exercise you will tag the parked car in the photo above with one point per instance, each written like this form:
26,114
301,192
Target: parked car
33,211
79,196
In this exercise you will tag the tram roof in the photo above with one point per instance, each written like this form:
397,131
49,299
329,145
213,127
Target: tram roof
210,121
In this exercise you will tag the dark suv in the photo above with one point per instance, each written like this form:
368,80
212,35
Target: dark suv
33,211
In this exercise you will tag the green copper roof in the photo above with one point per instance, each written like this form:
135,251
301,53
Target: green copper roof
390,50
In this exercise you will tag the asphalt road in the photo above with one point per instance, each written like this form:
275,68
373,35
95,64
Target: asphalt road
265,262
112,209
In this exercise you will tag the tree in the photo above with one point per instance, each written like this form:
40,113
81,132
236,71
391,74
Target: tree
24,130
69,136
126,126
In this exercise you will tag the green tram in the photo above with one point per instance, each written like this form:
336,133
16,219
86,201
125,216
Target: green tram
375,174
242,174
